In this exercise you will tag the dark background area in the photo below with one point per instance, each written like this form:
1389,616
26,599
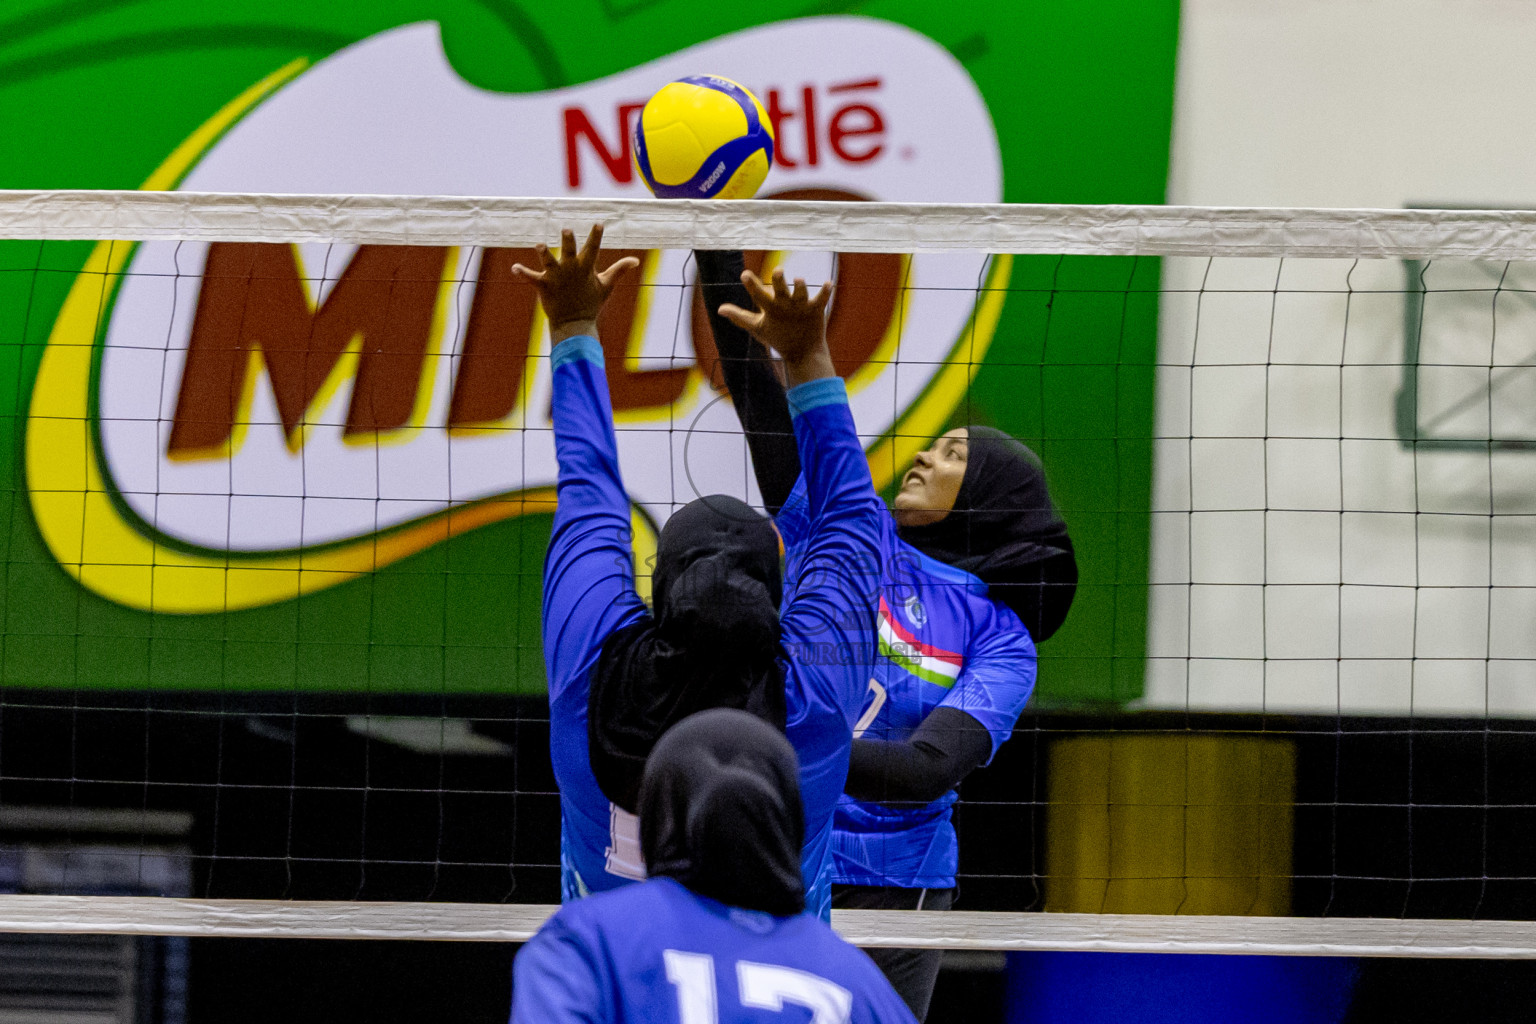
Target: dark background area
1394,818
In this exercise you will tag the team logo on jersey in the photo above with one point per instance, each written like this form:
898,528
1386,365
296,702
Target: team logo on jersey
226,425
929,663
916,613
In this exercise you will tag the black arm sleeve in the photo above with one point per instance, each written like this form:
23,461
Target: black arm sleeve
749,377
944,749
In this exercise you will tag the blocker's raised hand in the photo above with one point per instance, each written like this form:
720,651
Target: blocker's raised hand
570,288
790,321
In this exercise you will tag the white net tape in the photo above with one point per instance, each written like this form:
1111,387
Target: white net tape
850,226
980,930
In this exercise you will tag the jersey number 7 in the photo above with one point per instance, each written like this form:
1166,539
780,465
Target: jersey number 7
762,987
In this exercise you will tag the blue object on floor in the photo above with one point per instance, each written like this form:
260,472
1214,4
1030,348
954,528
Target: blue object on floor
1176,988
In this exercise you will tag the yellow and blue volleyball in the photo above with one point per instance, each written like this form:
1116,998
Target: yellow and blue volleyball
703,137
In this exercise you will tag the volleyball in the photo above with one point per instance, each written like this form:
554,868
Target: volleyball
703,137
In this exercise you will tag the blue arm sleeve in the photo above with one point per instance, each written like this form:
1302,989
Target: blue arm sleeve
555,980
791,519
829,611
589,575
999,675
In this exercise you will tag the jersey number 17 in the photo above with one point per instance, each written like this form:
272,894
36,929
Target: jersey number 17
761,986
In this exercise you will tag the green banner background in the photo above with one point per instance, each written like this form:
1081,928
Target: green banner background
96,96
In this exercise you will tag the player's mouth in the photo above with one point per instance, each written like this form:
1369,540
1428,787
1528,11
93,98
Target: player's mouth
912,477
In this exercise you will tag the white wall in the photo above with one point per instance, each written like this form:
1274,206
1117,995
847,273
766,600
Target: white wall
1303,558
1354,103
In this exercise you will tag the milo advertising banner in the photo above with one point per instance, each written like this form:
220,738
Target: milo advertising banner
330,468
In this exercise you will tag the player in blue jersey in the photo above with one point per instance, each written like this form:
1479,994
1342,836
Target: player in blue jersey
976,567
725,631
717,934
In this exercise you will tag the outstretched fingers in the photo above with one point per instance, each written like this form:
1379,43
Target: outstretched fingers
823,296
592,246
570,287
748,320
780,286
781,294
760,292
619,268
535,276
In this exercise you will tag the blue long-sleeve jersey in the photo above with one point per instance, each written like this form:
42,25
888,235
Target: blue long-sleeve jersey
659,954
942,643
826,620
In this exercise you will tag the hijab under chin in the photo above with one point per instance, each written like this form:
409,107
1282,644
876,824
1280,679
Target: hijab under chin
720,812
711,642
1005,529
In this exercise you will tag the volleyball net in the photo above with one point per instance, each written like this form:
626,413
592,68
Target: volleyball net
281,470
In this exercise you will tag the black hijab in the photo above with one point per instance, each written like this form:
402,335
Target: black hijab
712,641
1005,529
720,812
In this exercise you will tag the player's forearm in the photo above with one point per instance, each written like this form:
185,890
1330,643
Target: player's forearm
836,577
815,366
839,551
841,495
571,329
720,280
947,747
586,450
589,585
756,392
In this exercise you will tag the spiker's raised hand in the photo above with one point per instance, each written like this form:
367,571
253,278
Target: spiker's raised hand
788,320
570,288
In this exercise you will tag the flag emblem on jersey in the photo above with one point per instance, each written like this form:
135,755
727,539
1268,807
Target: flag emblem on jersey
930,664
916,613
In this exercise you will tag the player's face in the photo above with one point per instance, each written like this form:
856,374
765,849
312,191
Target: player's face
929,488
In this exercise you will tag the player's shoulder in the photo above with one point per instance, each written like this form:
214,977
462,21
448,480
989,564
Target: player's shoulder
908,569
1000,620
944,597
849,966
817,939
